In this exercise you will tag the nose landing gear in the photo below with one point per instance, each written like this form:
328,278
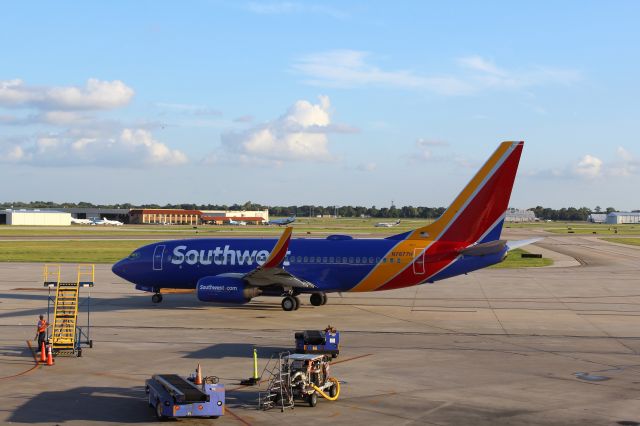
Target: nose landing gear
156,298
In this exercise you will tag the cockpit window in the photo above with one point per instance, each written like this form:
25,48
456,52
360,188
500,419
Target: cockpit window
134,255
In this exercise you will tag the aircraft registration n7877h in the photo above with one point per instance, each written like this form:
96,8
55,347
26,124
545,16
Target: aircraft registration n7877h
465,238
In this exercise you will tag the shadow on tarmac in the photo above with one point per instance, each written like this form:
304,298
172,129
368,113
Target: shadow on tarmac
235,350
102,304
106,404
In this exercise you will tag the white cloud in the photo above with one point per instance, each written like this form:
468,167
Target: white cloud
130,148
424,150
588,167
299,134
351,68
478,63
486,75
627,164
348,68
95,95
14,154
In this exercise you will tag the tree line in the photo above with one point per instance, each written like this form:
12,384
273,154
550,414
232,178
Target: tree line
408,212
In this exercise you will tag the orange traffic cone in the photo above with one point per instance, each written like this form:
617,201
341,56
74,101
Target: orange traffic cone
43,353
198,380
49,357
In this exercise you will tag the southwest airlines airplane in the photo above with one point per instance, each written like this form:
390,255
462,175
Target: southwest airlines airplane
465,238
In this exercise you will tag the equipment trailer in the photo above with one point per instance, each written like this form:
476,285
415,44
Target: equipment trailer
174,396
325,341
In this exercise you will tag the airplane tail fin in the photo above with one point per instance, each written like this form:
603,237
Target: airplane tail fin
477,213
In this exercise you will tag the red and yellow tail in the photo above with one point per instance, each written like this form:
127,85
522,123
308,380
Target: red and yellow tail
476,215
482,204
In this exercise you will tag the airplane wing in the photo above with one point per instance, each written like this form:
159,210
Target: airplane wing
271,272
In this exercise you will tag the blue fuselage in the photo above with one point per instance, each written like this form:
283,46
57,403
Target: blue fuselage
337,263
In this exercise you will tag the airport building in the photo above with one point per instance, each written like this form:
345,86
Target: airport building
520,215
597,218
165,216
617,218
35,217
94,213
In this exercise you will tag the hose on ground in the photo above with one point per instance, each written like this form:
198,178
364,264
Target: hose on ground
336,383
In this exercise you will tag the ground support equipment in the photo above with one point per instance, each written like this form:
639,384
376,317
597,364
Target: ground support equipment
173,396
325,341
66,336
278,393
310,375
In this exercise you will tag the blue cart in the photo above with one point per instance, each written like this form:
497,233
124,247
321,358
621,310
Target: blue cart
325,341
174,396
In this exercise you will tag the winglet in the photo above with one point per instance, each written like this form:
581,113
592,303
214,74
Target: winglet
279,252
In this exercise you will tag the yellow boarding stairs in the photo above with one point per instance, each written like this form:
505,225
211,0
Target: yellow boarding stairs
65,308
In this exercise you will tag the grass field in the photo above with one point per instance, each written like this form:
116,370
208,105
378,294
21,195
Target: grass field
629,241
72,251
322,226
515,260
110,251
593,228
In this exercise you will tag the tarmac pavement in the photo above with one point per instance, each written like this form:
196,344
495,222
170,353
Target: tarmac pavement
548,346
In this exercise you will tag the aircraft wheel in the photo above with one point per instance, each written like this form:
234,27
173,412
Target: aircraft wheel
297,299
316,299
288,303
156,298
324,298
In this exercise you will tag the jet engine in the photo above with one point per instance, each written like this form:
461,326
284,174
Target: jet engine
225,289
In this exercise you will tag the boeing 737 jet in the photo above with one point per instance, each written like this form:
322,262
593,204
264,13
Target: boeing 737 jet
465,238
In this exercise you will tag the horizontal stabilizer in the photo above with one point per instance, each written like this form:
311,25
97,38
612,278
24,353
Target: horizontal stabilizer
521,243
484,249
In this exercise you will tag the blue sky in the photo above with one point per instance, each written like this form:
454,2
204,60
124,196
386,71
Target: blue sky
317,102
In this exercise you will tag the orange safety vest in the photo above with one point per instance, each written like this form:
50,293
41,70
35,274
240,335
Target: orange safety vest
42,326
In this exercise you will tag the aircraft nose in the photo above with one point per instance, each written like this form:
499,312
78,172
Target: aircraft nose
119,268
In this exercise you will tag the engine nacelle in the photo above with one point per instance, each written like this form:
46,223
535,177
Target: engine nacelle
225,289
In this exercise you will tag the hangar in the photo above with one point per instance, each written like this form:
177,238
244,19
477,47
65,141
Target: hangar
35,217
614,218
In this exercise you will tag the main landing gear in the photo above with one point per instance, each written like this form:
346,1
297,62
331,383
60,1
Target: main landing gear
290,303
156,298
318,299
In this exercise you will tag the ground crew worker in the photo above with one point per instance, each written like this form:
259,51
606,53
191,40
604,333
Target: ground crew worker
41,331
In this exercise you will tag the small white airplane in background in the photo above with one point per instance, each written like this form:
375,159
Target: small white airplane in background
105,221
387,224
81,221
237,222
283,221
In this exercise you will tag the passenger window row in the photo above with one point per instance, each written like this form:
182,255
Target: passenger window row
343,260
